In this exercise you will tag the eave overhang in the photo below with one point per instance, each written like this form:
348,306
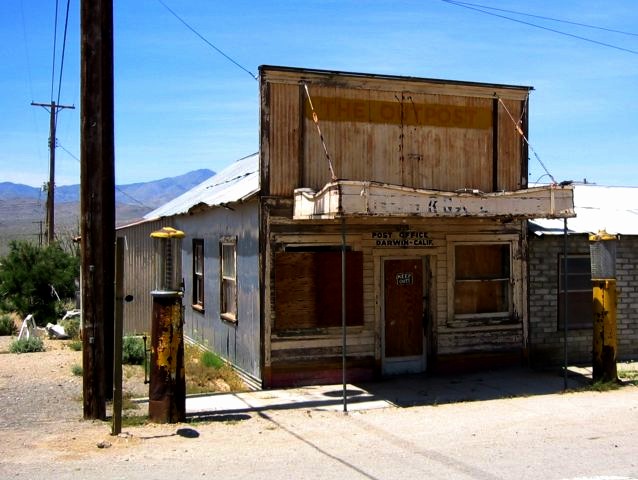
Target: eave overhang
351,198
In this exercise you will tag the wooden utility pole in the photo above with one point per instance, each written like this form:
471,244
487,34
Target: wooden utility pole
97,197
53,112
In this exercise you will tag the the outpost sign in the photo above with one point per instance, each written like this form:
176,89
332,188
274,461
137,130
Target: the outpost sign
402,238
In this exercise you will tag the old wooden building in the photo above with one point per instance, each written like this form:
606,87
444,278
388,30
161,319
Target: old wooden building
418,187
426,180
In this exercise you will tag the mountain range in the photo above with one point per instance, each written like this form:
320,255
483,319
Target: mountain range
22,207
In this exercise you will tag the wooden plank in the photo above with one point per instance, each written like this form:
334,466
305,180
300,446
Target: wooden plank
285,134
383,200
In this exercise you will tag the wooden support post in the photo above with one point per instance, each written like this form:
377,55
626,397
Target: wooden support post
116,427
97,196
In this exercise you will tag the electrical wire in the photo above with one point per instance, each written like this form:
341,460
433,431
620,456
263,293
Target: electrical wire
596,27
578,37
55,43
66,25
57,144
255,77
517,125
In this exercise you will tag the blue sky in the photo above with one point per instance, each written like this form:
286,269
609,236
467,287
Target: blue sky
180,105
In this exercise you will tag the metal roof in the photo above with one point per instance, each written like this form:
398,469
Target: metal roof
614,209
235,183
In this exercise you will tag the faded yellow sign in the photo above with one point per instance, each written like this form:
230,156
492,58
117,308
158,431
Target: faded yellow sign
331,109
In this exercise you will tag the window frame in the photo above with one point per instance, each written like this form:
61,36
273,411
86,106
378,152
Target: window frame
576,292
225,281
515,305
321,322
198,298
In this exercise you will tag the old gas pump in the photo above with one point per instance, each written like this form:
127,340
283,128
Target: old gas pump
602,249
167,392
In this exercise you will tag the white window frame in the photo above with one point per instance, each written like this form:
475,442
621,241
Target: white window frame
228,277
199,278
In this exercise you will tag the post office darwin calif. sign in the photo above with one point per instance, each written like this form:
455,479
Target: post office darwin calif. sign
402,238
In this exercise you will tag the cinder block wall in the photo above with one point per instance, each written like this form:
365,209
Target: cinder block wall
545,338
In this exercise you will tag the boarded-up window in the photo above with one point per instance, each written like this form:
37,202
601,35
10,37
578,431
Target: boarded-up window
482,279
228,293
308,289
198,273
579,292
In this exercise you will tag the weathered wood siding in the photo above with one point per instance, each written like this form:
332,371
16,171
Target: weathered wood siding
415,133
321,347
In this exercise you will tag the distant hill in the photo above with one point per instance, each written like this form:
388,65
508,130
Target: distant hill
22,208
149,194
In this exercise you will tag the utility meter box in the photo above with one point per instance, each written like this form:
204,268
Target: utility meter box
602,250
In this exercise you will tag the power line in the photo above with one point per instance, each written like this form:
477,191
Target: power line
596,27
585,39
116,187
255,77
55,43
66,25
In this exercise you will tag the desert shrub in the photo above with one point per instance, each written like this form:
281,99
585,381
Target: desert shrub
75,345
71,326
77,370
7,325
27,345
133,351
30,277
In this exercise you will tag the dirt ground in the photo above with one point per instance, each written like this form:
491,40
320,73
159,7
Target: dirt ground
568,436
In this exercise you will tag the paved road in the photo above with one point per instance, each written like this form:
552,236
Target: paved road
538,434
558,436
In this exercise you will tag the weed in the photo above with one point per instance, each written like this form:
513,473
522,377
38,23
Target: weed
206,372
75,345
210,360
71,326
77,370
133,351
134,420
24,345
7,325
604,386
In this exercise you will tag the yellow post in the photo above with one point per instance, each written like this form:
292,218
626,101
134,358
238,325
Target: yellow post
603,269
605,342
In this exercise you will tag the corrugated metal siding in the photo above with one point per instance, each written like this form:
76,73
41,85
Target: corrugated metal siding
138,274
440,140
239,343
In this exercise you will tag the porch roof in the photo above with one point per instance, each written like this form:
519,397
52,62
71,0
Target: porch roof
358,198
